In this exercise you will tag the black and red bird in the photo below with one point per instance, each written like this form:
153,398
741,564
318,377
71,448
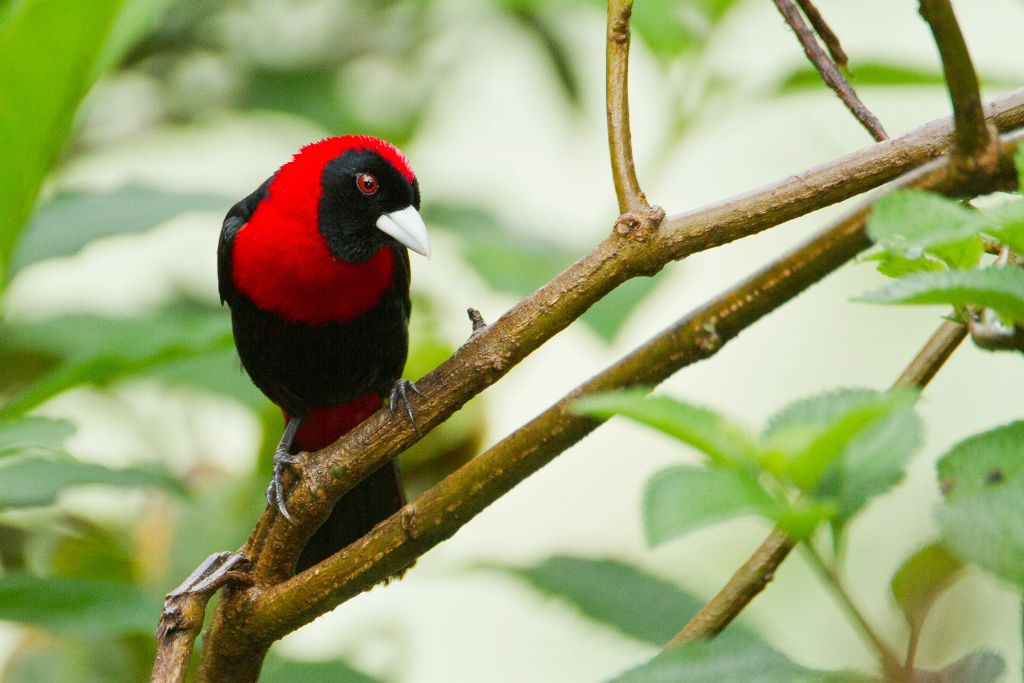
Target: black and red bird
314,267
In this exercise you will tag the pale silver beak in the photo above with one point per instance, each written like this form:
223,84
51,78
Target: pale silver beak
407,227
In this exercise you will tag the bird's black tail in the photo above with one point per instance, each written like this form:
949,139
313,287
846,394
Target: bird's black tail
373,500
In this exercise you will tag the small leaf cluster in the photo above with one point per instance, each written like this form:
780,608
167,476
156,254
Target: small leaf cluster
933,247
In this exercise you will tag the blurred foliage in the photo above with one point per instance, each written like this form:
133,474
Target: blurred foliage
88,586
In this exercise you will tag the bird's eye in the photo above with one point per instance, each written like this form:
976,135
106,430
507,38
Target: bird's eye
366,183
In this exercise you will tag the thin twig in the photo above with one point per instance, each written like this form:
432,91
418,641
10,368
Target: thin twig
972,134
890,662
750,579
828,69
620,143
231,650
825,32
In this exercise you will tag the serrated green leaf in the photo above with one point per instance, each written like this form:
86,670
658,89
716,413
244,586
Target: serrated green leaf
615,594
922,578
982,479
97,608
909,223
281,670
681,499
723,441
33,435
895,265
1001,289
30,480
66,223
729,658
41,84
977,667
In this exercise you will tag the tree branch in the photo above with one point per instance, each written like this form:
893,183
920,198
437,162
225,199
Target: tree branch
828,69
972,137
825,32
755,574
443,509
620,144
640,244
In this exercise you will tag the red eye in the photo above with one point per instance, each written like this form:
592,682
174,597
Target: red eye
366,183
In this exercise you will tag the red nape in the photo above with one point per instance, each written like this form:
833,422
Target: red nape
323,426
282,262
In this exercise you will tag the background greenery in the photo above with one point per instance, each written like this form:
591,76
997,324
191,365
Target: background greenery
131,445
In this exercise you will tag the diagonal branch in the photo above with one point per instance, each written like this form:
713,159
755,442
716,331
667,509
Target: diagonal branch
755,574
620,144
825,32
972,136
641,244
442,510
827,68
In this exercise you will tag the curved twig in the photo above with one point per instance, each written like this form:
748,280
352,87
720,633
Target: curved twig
620,143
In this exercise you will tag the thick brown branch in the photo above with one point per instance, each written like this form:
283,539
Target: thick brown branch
972,134
825,32
755,574
620,142
828,69
443,509
637,246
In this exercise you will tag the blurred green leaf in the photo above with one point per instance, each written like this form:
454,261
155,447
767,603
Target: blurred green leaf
681,499
92,349
724,442
553,45
66,223
982,479
36,435
28,481
87,607
281,670
665,27
729,658
868,73
911,222
922,578
1007,224
512,262
615,594
977,667
892,264
41,84
1001,289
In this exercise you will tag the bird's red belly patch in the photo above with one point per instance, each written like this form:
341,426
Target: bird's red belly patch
323,426
290,271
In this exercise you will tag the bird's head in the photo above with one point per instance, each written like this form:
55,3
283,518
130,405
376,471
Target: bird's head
368,196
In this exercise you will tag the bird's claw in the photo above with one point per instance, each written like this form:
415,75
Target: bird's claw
275,491
400,392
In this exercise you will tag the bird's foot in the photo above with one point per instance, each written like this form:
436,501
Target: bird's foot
400,392
183,606
275,491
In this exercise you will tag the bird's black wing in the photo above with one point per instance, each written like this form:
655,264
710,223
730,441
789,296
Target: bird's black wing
238,215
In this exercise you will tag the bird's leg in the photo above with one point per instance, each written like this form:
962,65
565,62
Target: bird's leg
282,458
183,606
400,392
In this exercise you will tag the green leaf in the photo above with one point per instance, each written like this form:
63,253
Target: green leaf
97,350
729,658
724,442
911,222
922,578
30,481
614,594
1018,162
977,667
1007,224
281,670
880,74
81,606
42,80
68,222
892,264
982,479
664,27
36,435
681,499
1001,289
